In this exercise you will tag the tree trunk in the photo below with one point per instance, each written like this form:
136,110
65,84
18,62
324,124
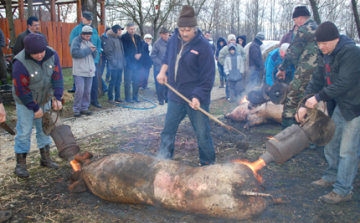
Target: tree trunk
91,6
30,8
356,15
315,11
9,16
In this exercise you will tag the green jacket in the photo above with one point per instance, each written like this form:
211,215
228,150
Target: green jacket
225,51
303,50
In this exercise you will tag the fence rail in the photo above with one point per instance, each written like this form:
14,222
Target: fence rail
57,35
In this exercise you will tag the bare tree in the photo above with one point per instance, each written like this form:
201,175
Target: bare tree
9,16
356,15
315,10
30,8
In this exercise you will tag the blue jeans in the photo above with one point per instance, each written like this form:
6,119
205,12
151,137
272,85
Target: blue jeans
254,77
176,112
131,76
161,90
115,82
94,87
82,93
223,77
342,153
24,128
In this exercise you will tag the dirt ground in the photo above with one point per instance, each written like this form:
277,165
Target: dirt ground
44,197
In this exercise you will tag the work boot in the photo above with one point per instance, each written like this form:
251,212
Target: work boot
221,84
334,198
322,183
5,215
46,160
20,169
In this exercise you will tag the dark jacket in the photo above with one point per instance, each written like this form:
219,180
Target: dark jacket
218,46
339,83
145,59
255,58
288,37
243,37
130,50
157,53
19,43
103,39
114,51
2,39
196,68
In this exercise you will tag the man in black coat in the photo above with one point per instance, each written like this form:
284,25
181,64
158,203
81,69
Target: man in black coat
33,25
133,51
336,81
256,63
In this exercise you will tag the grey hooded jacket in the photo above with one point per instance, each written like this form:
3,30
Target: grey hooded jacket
83,57
114,51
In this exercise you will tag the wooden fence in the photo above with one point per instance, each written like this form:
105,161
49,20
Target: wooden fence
57,35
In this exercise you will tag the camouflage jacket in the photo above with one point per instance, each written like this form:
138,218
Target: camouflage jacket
303,50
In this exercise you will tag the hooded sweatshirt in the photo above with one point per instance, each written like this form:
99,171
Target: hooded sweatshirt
233,65
243,37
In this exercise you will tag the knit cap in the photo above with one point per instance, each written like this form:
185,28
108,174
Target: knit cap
284,47
231,37
301,11
87,15
34,43
148,36
187,17
164,30
87,30
326,31
260,36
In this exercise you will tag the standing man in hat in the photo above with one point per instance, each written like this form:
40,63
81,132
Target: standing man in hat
303,53
133,51
83,53
86,19
157,53
190,62
336,81
115,56
33,25
37,78
256,63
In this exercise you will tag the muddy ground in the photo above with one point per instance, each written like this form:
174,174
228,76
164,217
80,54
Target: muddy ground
44,197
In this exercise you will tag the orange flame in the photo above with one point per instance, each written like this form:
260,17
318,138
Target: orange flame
272,138
244,100
75,165
254,166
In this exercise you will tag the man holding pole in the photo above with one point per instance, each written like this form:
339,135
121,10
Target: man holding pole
191,71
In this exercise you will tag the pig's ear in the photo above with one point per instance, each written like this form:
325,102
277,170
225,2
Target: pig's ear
78,187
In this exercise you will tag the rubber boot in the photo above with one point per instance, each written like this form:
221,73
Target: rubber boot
46,160
5,215
221,84
20,169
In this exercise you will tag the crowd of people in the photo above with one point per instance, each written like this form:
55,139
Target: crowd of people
313,59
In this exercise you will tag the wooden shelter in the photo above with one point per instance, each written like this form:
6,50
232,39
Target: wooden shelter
56,32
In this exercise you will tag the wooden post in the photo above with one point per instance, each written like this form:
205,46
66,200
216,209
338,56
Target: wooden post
52,11
78,9
59,12
21,9
102,10
40,13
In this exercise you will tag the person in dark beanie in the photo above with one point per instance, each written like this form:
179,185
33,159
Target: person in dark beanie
303,53
256,63
190,64
33,26
133,51
37,77
336,81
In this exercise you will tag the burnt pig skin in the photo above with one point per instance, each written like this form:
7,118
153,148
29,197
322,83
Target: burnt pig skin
211,190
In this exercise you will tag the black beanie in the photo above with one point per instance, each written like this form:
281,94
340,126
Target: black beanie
187,17
326,31
301,11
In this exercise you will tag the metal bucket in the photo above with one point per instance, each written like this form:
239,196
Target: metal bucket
65,142
285,145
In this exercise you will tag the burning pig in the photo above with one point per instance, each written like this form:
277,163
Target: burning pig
217,190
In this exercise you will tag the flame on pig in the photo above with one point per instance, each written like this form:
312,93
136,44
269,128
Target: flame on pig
254,166
244,100
272,138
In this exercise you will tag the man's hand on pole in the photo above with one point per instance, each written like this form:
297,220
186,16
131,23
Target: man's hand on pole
195,103
2,113
161,77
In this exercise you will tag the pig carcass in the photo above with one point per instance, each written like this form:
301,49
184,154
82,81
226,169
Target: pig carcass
256,115
215,190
